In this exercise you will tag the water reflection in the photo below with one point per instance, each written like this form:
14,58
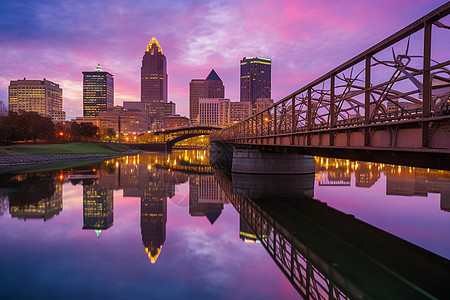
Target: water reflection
327,254
34,196
98,212
321,251
400,180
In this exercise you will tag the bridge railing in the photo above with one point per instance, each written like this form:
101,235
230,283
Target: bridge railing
398,79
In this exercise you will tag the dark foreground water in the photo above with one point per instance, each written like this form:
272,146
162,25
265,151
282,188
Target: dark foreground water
158,226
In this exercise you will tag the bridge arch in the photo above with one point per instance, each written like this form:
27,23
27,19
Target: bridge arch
173,136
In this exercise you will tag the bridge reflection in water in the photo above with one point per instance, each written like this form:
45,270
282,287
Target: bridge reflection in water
327,254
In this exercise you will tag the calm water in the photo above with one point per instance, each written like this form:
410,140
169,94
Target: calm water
160,226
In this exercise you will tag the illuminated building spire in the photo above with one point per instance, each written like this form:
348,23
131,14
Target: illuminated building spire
152,254
98,69
154,41
98,232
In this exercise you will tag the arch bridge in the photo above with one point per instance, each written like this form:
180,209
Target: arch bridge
172,136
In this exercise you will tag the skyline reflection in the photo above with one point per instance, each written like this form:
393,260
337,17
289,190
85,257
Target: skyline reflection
153,178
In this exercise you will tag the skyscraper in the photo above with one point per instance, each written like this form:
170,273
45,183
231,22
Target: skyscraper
98,92
210,87
41,96
255,78
154,82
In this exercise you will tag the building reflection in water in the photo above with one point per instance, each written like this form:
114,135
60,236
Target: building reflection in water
153,177
33,196
205,197
98,208
400,180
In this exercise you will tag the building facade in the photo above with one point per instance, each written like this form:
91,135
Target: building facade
214,111
154,82
262,104
239,111
98,92
255,79
210,87
169,109
128,121
41,96
175,121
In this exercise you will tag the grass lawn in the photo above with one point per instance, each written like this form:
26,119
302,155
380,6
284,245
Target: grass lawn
71,148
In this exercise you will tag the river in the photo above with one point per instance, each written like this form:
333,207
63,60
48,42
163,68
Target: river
171,226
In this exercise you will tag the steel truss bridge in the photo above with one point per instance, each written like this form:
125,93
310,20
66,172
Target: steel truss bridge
393,96
327,254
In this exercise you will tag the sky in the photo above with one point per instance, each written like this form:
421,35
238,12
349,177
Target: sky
58,40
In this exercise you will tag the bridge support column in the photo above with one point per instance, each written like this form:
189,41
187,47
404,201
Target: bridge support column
252,161
221,154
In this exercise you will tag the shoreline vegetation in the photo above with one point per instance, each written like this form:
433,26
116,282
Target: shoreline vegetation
32,157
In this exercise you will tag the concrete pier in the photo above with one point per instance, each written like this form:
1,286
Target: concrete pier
253,161
258,186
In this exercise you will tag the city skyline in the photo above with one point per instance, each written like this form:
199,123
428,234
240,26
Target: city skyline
301,47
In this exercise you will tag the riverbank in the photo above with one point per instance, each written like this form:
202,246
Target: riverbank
19,157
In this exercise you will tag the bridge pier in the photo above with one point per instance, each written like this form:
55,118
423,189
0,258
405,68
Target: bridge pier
254,161
258,186
221,154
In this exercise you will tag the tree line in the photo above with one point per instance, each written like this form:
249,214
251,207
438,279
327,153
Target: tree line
30,126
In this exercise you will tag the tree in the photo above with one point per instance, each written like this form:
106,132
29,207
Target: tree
75,131
88,130
110,133
3,109
11,127
62,131
36,126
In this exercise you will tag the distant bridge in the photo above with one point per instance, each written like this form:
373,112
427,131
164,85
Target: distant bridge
172,136
391,99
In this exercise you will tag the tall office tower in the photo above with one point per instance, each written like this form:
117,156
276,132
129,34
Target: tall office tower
154,82
98,92
210,87
255,78
41,96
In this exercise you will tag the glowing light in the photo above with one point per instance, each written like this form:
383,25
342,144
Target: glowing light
154,41
61,133
153,258
61,177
